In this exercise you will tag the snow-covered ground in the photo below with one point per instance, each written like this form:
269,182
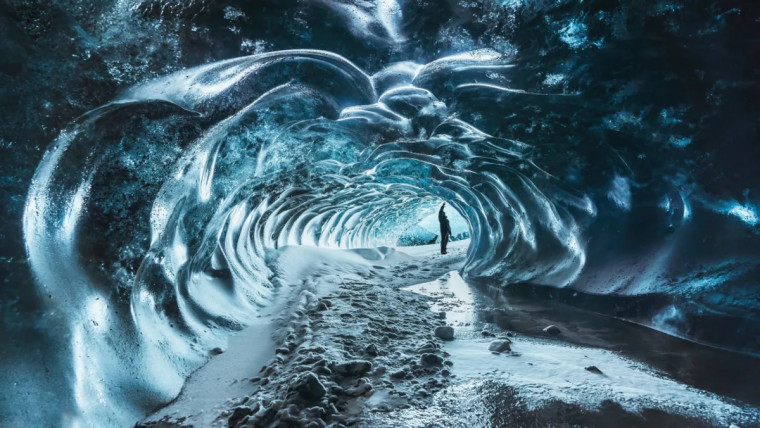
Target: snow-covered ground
350,339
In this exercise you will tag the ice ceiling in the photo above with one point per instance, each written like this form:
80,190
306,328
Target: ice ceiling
581,153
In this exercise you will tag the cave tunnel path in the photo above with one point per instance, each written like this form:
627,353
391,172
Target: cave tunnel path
360,283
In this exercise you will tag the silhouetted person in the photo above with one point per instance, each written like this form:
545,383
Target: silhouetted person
445,228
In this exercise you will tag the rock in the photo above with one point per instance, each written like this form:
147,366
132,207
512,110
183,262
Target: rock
399,374
322,306
445,333
309,387
324,371
353,368
594,369
486,333
371,350
552,330
427,348
431,360
361,387
216,351
499,346
238,414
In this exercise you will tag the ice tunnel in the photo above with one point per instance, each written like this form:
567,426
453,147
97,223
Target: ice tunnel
150,221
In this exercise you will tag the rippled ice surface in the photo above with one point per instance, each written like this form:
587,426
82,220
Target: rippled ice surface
597,149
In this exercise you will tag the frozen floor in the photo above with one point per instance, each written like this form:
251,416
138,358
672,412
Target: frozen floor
335,305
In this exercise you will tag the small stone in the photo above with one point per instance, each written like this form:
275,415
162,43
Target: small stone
594,369
486,333
371,350
399,374
322,306
216,351
353,368
552,330
500,346
427,348
238,414
431,360
445,333
361,387
309,386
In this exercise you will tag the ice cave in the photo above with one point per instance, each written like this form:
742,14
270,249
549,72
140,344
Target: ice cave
226,213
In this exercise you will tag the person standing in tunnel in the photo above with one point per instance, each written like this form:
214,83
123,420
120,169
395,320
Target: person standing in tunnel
445,228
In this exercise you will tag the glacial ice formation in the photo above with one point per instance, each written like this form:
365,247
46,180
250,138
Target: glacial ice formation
149,220
212,166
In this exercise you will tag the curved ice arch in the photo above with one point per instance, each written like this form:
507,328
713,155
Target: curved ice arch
162,205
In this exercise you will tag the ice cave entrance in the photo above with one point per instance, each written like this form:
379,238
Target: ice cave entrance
424,228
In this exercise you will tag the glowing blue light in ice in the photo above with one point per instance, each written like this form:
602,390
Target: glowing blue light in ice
574,34
680,142
744,213
686,208
620,193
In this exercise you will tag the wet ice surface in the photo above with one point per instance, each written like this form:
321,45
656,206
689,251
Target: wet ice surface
337,305
451,295
539,373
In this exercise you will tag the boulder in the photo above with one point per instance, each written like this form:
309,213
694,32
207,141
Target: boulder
353,368
371,350
445,333
309,387
431,360
500,346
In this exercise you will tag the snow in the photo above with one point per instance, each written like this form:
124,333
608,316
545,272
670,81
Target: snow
363,287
